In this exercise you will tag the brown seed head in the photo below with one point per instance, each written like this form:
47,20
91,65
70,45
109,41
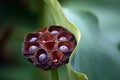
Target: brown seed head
49,48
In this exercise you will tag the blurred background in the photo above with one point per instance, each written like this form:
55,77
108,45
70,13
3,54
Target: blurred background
19,17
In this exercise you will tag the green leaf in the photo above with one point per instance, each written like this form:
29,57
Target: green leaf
60,19
95,56
107,12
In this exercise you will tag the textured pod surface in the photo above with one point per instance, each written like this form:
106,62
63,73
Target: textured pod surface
49,48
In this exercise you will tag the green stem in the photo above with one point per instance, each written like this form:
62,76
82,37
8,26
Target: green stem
54,73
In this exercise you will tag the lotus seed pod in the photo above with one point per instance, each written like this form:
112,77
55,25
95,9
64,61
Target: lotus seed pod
49,48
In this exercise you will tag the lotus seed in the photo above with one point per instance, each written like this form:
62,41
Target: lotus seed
33,39
63,39
54,32
42,57
64,48
32,49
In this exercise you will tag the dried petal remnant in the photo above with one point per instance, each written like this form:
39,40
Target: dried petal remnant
49,48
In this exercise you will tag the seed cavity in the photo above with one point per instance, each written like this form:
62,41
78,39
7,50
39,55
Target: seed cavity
32,49
50,45
46,37
65,36
56,56
42,57
64,48
54,32
33,39
63,39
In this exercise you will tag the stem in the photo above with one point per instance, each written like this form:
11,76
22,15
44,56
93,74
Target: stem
54,73
69,72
